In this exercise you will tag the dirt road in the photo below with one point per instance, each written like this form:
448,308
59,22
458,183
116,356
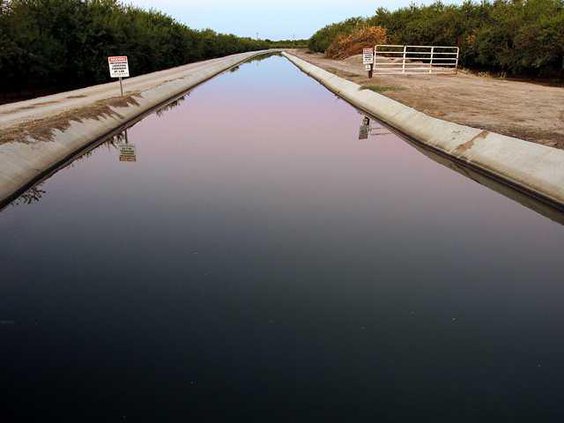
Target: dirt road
524,110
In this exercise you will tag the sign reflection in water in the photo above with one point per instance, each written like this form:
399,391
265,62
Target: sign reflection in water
370,127
127,152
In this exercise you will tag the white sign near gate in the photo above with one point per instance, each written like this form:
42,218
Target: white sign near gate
367,56
119,68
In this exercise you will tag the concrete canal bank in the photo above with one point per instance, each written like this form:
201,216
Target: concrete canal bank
535,169
38,134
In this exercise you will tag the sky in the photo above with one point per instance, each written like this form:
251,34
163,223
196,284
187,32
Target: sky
270,19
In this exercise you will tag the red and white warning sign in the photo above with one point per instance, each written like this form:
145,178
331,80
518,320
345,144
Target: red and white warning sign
367,56
119,68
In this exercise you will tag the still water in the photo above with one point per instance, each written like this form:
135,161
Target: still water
250,258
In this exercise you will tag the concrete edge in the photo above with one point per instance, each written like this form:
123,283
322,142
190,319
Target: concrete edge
536,169
23,163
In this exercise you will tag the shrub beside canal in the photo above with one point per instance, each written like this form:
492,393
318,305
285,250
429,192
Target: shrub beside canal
517,37
59,44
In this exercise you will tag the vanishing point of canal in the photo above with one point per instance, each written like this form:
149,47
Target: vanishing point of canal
259,262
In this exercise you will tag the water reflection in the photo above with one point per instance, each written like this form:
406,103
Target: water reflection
256,60
127,152
364,128
172,105
263,57
32,195
119,142
553,213
370,127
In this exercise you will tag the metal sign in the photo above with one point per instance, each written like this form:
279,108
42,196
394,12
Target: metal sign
363,132
368,67
368,128
367,56
364,129
119,68
127,153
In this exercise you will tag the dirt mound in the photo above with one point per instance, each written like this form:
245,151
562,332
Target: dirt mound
348,45
354,60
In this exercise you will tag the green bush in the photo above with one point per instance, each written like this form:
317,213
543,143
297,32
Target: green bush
518,37
322,39
59,44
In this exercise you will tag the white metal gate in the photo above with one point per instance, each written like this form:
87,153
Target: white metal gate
397,59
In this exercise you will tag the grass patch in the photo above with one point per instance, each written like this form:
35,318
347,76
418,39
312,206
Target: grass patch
341,73
381,88
43,129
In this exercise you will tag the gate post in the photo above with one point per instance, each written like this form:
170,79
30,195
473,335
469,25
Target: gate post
403,62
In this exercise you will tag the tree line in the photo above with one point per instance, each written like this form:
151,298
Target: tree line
63,44
516,37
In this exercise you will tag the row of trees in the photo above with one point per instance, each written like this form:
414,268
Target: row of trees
59,44
301,43
519,37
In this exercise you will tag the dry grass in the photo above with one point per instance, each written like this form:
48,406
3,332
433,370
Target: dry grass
348,45
381,88
44,129
341,73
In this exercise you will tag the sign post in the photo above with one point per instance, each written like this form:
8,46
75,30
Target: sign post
368,60
119,68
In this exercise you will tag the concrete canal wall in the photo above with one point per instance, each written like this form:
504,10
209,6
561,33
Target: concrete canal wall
535,169
39,134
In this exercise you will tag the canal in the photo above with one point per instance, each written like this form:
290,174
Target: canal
253,253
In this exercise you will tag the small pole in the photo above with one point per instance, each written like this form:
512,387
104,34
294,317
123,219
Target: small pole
404,56
375,58
368,66
121,86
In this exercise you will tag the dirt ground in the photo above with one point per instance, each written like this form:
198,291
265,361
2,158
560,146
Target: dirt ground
525,110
